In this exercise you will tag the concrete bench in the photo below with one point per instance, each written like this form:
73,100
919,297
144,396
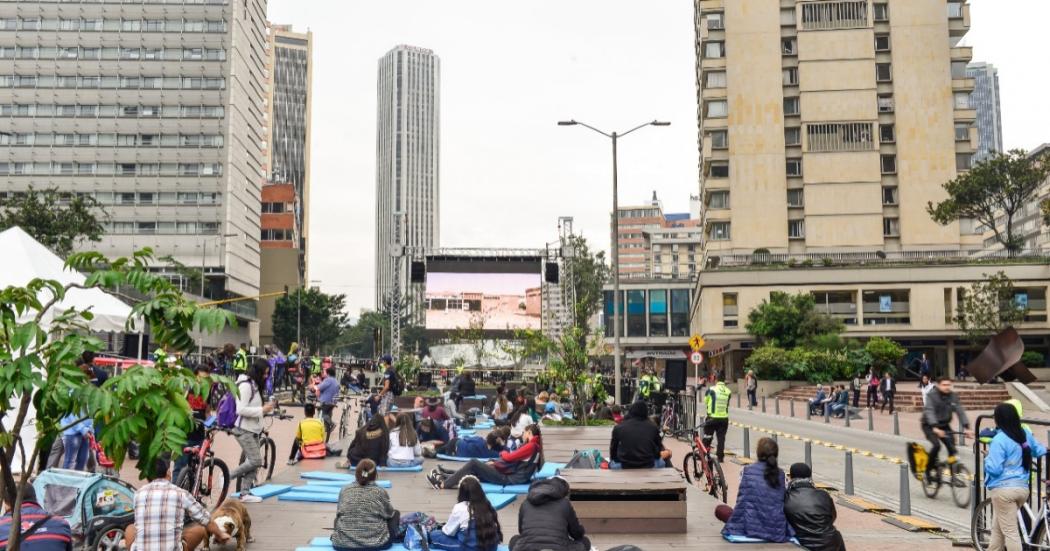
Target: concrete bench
629,501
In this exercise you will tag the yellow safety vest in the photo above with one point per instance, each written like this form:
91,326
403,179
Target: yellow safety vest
648,384
717,401
240,361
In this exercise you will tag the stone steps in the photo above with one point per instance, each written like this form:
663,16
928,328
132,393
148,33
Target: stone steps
909,398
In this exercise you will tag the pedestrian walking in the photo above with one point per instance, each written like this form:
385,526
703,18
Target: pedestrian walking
888,387
873,389
855,386
751,384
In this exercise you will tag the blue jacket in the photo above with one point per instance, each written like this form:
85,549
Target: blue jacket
1002,465
759,511
474,446
53,535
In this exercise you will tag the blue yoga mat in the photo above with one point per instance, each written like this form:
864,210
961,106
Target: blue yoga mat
516,489
549,470
323,543
349,477
748,539
316,497
453,458
484,425
335,489
500,501
270,490
341,483
466,432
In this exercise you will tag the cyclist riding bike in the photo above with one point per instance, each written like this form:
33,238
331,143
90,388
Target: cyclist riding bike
937,418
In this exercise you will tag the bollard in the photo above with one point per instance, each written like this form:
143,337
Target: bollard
849,473
871,421
776,405
809,453
905,493
738,401
827,414
962,435
747,442
792,407
763,404
896,425
809,412
847,415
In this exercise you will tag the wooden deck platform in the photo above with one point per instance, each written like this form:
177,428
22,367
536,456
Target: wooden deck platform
637,501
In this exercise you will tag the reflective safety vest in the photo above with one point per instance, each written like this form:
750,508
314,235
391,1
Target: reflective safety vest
317,365
648,384
717,401
240,361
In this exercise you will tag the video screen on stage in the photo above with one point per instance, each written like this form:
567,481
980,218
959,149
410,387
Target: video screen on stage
494,294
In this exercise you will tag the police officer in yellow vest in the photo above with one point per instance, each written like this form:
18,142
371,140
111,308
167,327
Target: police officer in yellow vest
240,360
648,385
315,365
717,401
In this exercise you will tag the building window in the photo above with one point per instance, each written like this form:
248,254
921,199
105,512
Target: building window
955,10
885,103
889,196
837,304
794,167
962,100
718,109
958,69
714,50
963,161
730,310
715,21
718,200
891,227
792,136
679,312
834,15
1033,301
658,313
716,79
791,76
831,137
719,231
889,164
962,131
636,313
789,46
791,106
882,43
886,133
880,11
883,72
796,229
719,169
886,306
719,139
796,198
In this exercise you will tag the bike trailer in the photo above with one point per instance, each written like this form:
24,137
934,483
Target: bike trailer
85,500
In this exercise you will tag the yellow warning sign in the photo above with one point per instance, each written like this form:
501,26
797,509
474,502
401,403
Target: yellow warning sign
696,342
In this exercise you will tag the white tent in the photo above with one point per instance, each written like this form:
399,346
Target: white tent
25,259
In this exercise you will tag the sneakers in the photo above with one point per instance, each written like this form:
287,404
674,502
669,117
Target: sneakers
249,498
292,462
435,479
343,465
441,469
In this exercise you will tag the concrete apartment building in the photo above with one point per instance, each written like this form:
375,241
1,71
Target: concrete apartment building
156,110
826,127
286,195
408,125
985,100
657,245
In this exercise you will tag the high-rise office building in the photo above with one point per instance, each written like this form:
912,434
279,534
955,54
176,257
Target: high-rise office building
985,99
407,165
155,110
658,245
285,197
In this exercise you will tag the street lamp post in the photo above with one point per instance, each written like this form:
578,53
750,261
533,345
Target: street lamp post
617,322
204,259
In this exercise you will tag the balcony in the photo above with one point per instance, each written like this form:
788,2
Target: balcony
959,25
717,215
714,93
713,63
965,115
962,53
963,84
714,184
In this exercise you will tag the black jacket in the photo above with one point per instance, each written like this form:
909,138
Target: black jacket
369,444
812,513
464,387
547,521
636,443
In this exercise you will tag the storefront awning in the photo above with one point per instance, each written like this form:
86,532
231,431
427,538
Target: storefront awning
672,354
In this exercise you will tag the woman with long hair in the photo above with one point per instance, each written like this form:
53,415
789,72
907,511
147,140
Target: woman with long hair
519,419
405,450
473,524
759,511
371,441
364,518
250,412
1007,470
516,467
501,408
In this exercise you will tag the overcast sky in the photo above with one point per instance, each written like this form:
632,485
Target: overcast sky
510,71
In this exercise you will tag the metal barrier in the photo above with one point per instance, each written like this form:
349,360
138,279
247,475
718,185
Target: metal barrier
1036,489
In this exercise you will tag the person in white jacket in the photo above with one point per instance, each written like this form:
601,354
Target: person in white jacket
250,412
405,449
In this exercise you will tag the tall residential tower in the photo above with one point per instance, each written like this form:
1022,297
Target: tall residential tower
986,102
407,163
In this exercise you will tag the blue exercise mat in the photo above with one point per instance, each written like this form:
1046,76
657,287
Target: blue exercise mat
322,543
335,489
500,501
315,497
549,470
453,458
748,539
349,477
488,425
341,483
270,490
466,432
516,489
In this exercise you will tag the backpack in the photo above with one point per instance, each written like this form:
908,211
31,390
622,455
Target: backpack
397,385
226,414
585,459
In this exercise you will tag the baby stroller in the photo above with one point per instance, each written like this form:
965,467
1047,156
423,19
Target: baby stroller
99,508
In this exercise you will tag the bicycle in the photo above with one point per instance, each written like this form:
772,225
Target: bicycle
347,405
700,465
267,450
670,420
1034,527
959,479
205,477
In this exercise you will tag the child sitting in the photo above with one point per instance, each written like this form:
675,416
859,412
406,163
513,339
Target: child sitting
309,437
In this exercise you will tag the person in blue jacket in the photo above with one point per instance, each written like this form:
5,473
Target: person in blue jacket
759,511
475,446
1007,470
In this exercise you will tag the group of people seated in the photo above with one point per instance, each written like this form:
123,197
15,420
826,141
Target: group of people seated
833,402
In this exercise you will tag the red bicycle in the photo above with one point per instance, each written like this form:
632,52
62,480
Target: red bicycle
205,477
701,466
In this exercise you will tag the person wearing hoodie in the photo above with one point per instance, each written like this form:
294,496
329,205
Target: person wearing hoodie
636,442
811,512
250,412
516,467
547,521
371,442
1008,471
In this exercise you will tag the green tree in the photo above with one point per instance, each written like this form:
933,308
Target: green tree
885,353
988,307
999,186
788,321
359,339
320,319
58,220
39,348
588,275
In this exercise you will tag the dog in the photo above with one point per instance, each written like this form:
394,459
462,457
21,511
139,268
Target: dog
233,518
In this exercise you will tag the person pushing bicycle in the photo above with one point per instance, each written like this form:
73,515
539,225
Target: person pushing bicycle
941,402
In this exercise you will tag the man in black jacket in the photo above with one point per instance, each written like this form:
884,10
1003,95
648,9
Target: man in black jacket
888,388
811,512
636,442
547,521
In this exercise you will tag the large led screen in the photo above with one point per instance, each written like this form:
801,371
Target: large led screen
471,295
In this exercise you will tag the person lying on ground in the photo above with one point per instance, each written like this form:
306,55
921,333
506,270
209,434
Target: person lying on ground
637,443
473,524
405,450
310,434
364,518
489,447
547,521
515,467
371,441
431,433
811,512
759,511
161,510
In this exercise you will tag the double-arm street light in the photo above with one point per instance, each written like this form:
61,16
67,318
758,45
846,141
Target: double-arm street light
617,322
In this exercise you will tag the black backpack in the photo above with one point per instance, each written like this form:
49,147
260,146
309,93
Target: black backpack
397,384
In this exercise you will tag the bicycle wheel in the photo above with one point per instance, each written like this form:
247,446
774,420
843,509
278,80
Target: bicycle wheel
981,525
213,485
962,484
344,422
931,482
268,450
720,490
691,469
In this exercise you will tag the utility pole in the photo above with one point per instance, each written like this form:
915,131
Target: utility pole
397,253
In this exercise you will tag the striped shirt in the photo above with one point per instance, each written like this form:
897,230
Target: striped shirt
160,509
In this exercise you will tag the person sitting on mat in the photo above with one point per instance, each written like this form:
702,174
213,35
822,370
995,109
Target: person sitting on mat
547,521
364,518
519,420
511,468
309,437
473,524
501,407
811,512
405,450
434,410
636,442
370,442
759,512
431,433
474,446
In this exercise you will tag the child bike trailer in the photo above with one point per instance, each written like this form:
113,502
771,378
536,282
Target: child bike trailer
98,507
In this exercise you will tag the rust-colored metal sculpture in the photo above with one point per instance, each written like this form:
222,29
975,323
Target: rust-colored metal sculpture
1001,358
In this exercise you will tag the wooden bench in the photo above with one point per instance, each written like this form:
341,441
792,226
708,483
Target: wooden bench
628,502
